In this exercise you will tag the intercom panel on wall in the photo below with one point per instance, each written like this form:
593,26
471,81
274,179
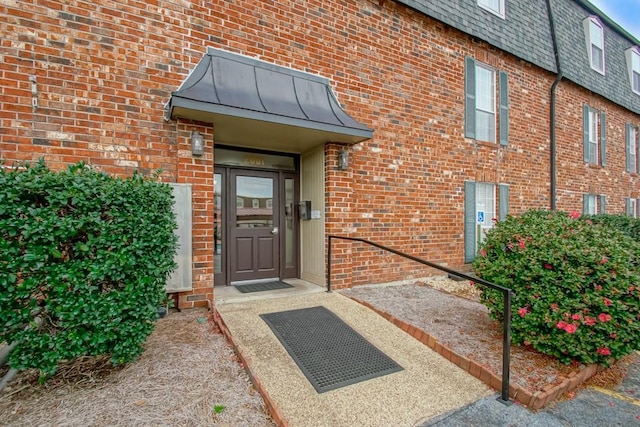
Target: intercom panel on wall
304,209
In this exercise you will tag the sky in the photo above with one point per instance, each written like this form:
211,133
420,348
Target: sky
625,13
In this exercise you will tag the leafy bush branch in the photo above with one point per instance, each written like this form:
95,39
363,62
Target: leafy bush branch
86,253
575,279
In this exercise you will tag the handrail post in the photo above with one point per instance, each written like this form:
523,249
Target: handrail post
506,299
329,266
506,346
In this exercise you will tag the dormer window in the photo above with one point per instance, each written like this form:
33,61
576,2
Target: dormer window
594,34
494,6
633,64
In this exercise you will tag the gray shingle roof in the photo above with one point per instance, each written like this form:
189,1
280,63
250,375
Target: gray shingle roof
526,33
574,60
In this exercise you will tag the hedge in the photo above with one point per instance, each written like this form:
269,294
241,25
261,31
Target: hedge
84,258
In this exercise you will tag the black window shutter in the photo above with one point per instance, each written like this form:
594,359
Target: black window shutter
630,166
503,207
603,139
504,108
470,97
469,221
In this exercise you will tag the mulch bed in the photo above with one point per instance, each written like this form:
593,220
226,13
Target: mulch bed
460,329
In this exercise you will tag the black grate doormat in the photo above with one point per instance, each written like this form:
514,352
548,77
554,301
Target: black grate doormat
327,350
265,286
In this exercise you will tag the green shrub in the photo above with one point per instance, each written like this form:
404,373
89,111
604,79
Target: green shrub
626,224
83,262
577,295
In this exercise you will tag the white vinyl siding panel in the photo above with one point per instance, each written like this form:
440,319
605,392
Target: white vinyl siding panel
181,278
312,237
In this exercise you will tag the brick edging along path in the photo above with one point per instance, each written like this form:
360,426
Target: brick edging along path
246,363
533,400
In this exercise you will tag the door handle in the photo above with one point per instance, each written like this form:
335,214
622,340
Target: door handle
275,230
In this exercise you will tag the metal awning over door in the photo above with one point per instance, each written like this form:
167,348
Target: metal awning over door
254,103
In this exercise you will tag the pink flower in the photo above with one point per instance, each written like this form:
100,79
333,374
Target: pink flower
604,260
589,321
483,252
632,288
607,301
613,336
521,243
555,307
576,317
604,317
561,324
604,351
548,266
574,214
494,219
598,287
571,328
523,311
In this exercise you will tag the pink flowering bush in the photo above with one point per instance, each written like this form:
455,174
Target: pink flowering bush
576,285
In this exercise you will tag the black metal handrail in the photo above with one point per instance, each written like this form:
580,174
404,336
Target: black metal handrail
506,295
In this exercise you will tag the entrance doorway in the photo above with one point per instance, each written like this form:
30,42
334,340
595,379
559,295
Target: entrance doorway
255,223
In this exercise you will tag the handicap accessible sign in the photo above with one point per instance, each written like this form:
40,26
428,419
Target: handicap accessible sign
480,217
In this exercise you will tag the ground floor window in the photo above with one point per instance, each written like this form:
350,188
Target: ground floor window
480,212
593,204
631,206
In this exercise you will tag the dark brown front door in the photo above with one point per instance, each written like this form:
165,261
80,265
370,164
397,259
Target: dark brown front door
254,229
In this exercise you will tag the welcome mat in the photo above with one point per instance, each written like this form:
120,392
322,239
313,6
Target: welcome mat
263,286
327,350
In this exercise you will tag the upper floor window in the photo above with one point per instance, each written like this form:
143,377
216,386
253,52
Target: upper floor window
633,64
485,104
632,149
481,116
594,141
493,6
594,34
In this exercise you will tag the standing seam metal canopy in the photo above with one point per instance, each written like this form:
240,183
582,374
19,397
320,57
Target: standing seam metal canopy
253,103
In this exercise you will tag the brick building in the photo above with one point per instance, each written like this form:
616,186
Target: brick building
410,123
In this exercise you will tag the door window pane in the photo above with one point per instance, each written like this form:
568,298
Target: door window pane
217,223
289,243
252,193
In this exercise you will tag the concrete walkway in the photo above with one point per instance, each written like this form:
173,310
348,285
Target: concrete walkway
429,386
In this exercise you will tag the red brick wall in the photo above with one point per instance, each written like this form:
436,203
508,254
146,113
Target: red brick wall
575,177
105,69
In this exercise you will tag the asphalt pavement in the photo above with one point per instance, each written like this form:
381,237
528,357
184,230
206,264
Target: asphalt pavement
591,407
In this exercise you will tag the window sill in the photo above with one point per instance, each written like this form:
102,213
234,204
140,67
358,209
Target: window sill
487,144
594,166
